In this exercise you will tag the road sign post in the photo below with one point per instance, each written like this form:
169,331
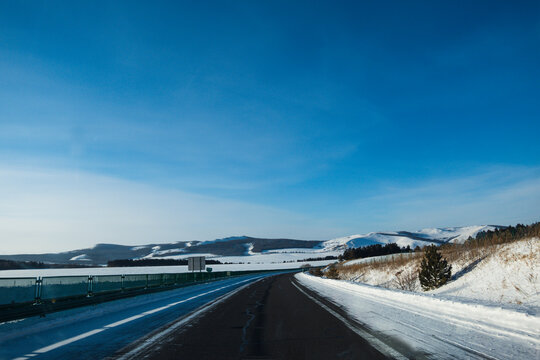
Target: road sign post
196,263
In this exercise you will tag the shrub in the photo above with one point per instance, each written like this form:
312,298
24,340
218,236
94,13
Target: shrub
332,273
406,280
434,270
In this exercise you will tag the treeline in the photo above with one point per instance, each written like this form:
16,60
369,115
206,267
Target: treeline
373,250
507,234
329,257
154,262
17,265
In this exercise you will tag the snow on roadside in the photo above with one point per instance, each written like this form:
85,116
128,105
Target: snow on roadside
442,327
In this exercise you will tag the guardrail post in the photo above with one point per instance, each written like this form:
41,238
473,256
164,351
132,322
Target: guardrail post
122,286
90,288
37,295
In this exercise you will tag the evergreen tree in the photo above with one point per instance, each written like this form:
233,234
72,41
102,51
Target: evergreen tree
434,270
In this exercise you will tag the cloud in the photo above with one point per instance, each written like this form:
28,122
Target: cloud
51,210
500,195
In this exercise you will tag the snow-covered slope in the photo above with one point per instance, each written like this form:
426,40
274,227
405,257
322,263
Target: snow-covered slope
511,274
412,239
508,273
455,234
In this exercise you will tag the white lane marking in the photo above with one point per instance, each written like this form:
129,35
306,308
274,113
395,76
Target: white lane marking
25,357
148,342
67,341
157,310
121,322
376,343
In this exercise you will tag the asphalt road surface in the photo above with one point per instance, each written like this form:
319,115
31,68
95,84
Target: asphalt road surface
270,319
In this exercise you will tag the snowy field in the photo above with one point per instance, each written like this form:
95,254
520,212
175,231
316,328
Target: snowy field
152,269
265,257
444,328
278,256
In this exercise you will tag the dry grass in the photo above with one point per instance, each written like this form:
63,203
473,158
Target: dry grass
394,264
407,279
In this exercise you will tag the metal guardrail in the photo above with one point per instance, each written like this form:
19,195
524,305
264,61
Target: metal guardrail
24,291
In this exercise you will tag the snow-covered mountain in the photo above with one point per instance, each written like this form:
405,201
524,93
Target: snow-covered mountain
255,250
413,239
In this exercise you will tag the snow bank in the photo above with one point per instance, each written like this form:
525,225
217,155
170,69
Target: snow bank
442,327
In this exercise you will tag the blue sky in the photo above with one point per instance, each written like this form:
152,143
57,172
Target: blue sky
134,122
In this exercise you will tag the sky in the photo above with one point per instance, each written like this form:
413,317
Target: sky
134,122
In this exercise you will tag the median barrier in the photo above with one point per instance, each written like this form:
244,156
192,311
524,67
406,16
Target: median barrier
105,283
23,297
58,287
17,290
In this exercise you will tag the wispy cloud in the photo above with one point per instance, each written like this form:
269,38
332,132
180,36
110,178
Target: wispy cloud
50,210
59,210
497,195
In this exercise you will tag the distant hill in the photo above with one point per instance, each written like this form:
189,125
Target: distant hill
103,253
420,238
246,249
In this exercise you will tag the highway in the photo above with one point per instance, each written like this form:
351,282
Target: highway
96,332
251,317
271,319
